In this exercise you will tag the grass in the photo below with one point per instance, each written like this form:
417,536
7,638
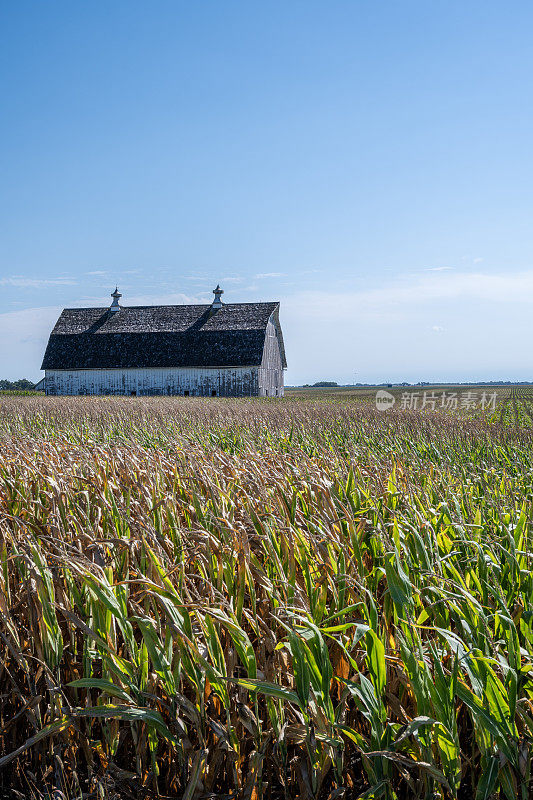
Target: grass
20,392
263,599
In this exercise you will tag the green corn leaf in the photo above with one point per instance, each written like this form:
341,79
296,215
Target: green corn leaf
103,686
268,689
128,714
376,661
489,777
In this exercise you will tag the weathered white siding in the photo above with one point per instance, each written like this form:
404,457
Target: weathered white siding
271,369
225,382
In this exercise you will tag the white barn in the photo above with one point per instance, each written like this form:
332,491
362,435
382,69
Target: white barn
228,350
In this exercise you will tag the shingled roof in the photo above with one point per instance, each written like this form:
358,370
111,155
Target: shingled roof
161,336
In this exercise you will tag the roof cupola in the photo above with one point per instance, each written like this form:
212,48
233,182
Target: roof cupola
217,302
116,297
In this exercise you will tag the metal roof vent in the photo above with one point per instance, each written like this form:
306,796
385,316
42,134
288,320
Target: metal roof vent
217,302
116,297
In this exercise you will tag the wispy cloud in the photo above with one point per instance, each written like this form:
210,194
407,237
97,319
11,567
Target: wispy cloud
231,279
170,299
396,296
27,332
385,332
438,269
261,275
378,332
21,282
114,272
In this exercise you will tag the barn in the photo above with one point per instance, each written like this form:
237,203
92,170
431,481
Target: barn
222,349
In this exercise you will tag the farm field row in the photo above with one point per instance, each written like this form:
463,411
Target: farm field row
265,599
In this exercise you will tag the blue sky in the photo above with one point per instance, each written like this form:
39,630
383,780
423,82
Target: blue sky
367,163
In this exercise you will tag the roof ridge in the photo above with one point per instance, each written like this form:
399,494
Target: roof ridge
173,305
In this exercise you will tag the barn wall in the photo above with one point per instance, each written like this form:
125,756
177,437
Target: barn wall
226,382
271,369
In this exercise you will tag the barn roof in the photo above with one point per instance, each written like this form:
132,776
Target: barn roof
161,336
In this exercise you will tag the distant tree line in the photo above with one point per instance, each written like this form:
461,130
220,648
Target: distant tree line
321,384
330,384
23,384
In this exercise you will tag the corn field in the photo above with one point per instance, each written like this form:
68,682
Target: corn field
263,599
